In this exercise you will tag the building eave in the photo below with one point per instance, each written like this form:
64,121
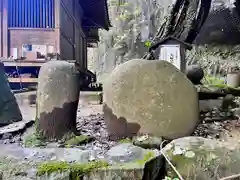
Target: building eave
97,18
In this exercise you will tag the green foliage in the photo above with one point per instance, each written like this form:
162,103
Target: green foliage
135,22
215,59
212,80
148,43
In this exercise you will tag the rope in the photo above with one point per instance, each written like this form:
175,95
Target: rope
169,162
231,177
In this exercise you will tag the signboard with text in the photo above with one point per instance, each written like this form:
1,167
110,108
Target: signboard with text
171,53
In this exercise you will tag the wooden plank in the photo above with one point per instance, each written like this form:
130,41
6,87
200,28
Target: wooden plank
23,80
23,64
28,63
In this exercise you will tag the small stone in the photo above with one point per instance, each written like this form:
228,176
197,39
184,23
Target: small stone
227,101
209,114
142,138
207,119
217,136
195,73
217,118
149,142
32,99
21,174
178,151
236,112
222,114
124,152
6,136
189,154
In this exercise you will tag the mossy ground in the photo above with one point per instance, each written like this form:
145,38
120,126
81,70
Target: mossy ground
76,170
78,140
35,140
12,168
148,156
126,140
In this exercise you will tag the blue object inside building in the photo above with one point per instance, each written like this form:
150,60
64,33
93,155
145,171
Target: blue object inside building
40,14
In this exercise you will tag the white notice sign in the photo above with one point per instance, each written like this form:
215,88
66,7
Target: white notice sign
171,53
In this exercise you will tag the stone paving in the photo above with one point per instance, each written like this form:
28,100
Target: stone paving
28,111
125,160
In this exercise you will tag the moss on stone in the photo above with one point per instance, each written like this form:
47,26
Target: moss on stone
78,140
51,167
127,140
76,170
203,160
148,156
218,86
212,80
36,139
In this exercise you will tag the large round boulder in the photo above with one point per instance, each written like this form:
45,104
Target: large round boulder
150,97
57,99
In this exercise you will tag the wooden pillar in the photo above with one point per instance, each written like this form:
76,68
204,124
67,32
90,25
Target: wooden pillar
1,27
57,25
5,28
85,64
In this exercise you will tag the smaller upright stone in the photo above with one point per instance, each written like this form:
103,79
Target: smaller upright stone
9,109
100,97
32,99
228,100
57,99
195,73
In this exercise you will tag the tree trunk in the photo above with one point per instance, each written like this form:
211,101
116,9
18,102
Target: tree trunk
57,99
222,26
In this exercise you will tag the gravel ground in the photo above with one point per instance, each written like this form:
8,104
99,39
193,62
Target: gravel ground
90,122
215,124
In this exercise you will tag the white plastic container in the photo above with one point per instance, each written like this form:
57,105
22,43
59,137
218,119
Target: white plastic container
233,79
